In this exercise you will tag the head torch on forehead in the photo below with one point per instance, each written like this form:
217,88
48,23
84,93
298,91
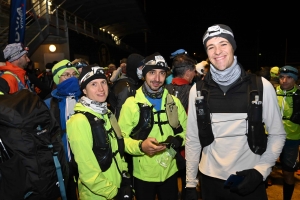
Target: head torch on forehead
215,30
97,70
79,65
68,65
158,61
94,70
285,71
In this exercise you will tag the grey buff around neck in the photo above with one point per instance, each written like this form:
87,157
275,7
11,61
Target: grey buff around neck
227,76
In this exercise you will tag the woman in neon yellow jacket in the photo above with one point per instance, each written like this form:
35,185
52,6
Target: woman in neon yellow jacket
99,178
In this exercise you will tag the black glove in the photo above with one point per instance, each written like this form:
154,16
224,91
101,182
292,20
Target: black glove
175,142
125,191
191,194
252,179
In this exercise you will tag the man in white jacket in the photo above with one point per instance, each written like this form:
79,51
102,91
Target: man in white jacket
226,135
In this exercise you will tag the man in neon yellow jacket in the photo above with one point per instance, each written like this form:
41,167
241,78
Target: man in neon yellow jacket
287,94
100,175
150,133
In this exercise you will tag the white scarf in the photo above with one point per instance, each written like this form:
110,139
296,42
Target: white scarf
96,106
227,76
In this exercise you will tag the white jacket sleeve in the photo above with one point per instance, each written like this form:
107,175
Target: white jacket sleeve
274,126
192,146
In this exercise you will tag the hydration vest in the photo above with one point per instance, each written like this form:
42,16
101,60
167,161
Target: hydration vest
146,119
295,117
257,139
101,143
20,84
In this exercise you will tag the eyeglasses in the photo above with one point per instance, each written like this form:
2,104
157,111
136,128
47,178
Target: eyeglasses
68,65
68,75
80,65
285,71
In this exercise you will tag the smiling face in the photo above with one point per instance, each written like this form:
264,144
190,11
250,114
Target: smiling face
96,90
220,53
155,78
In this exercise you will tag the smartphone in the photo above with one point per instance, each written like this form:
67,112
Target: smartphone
233,181
163,143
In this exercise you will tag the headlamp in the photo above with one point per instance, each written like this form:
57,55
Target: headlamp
215,30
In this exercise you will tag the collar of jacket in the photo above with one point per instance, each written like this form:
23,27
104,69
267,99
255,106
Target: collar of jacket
291,91
179,81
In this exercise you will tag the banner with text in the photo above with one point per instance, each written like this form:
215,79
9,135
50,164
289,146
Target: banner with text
17,24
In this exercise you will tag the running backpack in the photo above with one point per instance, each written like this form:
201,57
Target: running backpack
32,160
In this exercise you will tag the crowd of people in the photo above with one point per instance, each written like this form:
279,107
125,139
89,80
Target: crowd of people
129,133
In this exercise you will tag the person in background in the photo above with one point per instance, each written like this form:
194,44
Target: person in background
288,97
274,74
126,85
14,72
170,74
116,74
184,72
110,69
145,124
221,133
37,84
61,103
100,175
79,63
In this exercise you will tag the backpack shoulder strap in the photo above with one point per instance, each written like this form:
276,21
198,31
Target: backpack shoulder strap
54,108
8,72
256,88
204,89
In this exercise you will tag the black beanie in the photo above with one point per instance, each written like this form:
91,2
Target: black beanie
219,30
154,61
90,73
134,61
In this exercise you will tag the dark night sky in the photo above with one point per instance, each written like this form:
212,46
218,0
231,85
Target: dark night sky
257,28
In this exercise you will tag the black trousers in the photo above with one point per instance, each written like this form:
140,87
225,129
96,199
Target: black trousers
167,190
213,189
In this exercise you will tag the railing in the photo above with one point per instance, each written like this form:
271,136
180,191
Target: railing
43,14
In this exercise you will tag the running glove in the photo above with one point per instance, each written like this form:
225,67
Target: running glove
175,142
191,194
252,179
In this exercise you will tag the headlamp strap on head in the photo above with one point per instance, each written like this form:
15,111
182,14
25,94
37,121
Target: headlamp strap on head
215,30
68,65
159,61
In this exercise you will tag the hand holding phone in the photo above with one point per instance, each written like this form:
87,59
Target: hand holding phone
233,181
163,143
